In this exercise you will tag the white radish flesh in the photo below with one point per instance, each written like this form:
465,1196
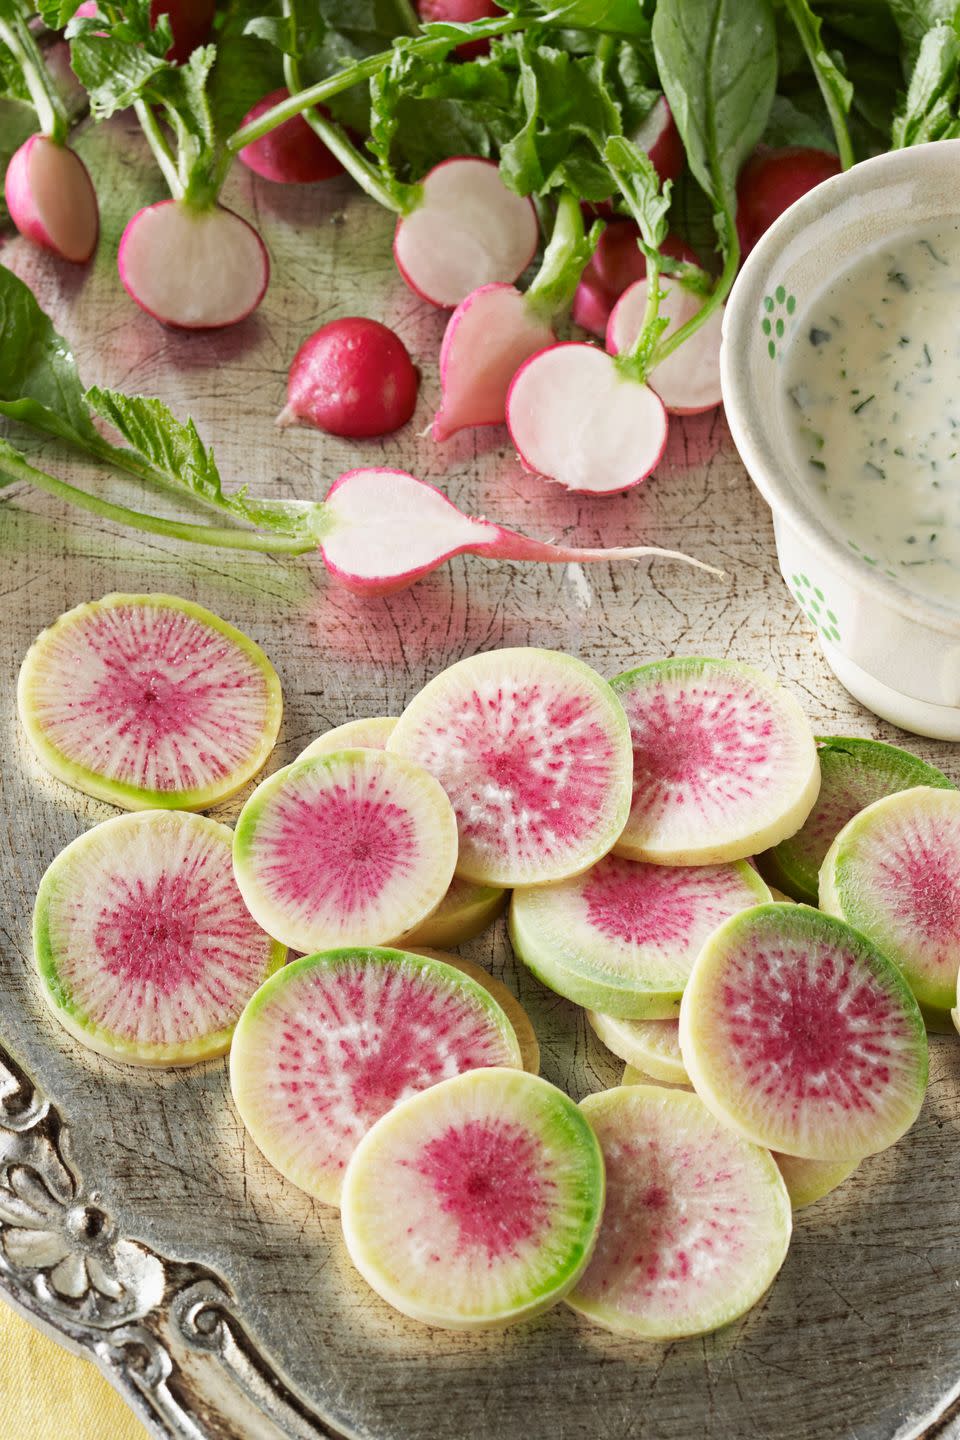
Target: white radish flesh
576,419
487,339
468,230
688,381
197,270
51,199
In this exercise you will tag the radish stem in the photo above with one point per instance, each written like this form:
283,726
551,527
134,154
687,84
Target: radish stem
15,34
161,150
564,259
714,299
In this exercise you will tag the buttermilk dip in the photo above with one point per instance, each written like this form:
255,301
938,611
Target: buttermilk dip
871,406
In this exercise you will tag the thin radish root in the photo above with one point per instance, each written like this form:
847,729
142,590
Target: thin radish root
51,199
487,339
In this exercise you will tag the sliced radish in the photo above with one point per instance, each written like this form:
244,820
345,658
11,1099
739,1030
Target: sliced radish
697,1220
650,1046
148,700
468,230
335,1040
808,1181
385,529
51,199
853,773
800,1034
688,381
622,937
617,263
533,749
659,137
893,873
508,1002
145,949
476,1203
724,761
353,377
291,153
487,338
195,269
576,419
369,734
352,848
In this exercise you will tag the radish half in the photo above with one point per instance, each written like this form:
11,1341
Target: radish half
195,269
487,339
688,381
468,230
51,199
576,419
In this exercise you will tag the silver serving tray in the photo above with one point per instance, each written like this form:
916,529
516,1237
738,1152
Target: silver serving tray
137,1222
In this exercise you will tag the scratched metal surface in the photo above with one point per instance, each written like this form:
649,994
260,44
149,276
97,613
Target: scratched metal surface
859,1335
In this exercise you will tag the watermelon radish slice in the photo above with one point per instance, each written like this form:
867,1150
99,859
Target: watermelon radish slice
697,1221
367,734
533,749
508,1002
334,1040
476,1203
724,762
893,873
633,1076
147,701
465,912
622,938
145,949
351,848
801,1035
853,773
652,1046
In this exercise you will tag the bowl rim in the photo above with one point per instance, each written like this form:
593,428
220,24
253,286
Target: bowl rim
740,312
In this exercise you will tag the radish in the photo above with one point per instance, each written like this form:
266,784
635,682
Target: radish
659,137
190,21
650,1046
291,154
352,377
771,181
194,269
688,381
334,1041
145,949
477,1202
369,734
460,12
383,529
617,263
800,1034
148,701
508,1002
697,1220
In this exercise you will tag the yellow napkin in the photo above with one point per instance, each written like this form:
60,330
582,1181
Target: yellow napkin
48,1394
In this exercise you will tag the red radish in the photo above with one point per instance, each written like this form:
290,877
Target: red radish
617,263
384,530
591,306
460,11
487,338
190,21
468,230
195,269
352,377
688,381
771,181
659,137
51,199
291,154
575,418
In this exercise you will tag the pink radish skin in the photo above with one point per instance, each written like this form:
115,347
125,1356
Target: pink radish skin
617,263
487,339
771,181
688,381
352,377
376,516
659,136
469,230
291,154
51,199
591,307
190,21
576,420
196,270
460,11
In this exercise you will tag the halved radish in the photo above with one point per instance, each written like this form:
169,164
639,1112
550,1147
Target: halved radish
195,269
800,1034
533,749
149,700
385,529
290,154
468,230
622,937
576,419
487,338
371,734
688,381
617,263
508,1002
697,1220
651,1046
51,199
145,948
333,1041
477,1202
352,848
724,761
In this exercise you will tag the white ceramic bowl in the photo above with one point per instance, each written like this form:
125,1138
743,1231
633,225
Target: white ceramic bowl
896,652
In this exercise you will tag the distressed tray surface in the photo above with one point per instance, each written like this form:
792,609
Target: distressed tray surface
136,1221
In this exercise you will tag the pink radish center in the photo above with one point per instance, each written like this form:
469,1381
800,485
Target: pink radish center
149,934
638,904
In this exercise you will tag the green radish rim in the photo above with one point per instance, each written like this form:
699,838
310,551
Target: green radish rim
132,797
505,998
794,864
59,997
